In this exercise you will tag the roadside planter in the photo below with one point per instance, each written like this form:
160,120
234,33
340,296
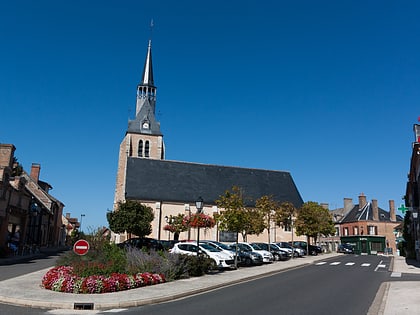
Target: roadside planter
62,279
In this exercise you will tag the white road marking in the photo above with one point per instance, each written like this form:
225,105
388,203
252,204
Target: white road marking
365,265
396,275
321,263
335,263
350,264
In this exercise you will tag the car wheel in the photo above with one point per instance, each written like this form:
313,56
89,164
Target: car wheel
248,261
314,253
213,265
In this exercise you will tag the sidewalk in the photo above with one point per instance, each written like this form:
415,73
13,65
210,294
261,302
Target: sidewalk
400,297
394,298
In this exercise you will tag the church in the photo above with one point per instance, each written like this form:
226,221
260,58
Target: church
171,187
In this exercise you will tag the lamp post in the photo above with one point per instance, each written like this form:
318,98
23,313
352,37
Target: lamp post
81,218
199,206
169,220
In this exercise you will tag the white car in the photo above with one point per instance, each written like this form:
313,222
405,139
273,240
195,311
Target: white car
220,258
267,256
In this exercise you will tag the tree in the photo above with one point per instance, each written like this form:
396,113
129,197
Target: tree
285,213
131,217
266,207
233,218
176,225
314,220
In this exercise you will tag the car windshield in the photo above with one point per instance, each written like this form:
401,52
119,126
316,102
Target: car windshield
224,246
256,247
285,245
209,247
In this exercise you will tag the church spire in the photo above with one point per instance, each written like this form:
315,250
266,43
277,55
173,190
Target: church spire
148,68
146,90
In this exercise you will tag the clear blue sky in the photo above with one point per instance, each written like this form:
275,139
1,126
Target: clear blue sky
327,90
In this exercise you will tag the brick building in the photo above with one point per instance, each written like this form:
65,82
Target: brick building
367,227
27,206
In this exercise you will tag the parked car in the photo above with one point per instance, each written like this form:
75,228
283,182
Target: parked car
220,259
142,243
345,248
278,254
167,245
244,258
267,256
312,249
298,252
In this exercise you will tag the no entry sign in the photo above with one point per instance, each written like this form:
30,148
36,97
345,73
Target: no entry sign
81,247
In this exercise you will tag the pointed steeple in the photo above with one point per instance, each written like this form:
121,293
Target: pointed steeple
146,90
148,68
145,121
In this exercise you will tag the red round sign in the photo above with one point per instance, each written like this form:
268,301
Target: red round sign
81,247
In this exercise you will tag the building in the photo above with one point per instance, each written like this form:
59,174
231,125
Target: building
26,206
171,187
412,198
367,227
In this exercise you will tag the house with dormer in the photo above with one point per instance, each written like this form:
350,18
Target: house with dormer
370,229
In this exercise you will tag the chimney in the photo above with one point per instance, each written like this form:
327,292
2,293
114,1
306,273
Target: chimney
324,205
35,170
362,200
348,204
375,210
68,215
392,215
6,154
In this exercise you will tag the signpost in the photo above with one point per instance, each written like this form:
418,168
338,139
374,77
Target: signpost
81,247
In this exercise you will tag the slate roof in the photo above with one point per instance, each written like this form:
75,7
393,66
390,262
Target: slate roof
183,182
366,214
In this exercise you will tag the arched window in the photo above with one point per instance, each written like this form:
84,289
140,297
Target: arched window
140,150
146,149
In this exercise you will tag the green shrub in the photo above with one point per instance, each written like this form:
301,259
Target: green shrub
197,266
106,261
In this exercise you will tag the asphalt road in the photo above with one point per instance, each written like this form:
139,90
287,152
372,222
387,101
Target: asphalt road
344,285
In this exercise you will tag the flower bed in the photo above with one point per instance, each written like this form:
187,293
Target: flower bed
62,279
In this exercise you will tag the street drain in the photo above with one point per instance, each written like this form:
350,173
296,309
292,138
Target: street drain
83,306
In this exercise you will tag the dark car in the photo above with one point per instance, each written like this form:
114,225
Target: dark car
345,248
142,243
278,254
245,258
312,249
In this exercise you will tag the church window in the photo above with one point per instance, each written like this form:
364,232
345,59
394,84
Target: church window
146,149
140,150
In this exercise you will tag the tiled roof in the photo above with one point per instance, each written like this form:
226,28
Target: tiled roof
182,182
366,214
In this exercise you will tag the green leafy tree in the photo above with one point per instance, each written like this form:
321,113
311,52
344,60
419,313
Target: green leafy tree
285,213
233,218
314,220
131,217
266,207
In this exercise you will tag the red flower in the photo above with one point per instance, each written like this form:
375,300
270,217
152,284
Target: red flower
169,227
199,220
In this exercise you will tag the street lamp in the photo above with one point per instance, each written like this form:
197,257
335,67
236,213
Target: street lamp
81,218
199,205
169,220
